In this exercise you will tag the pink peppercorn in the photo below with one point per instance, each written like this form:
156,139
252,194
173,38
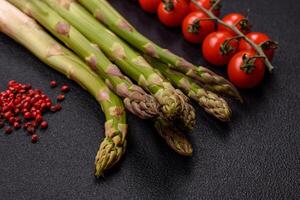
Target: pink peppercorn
53,84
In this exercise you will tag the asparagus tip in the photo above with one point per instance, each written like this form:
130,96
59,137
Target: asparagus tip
175,139
108,154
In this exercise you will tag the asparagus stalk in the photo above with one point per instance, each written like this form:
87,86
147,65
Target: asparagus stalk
25,31
106,14
126,58
209,101
135,98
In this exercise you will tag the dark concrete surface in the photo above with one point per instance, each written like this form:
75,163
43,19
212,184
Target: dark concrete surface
256,156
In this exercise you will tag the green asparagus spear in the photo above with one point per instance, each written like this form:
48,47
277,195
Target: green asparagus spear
106,14
211,103
125,57
136,100
25,31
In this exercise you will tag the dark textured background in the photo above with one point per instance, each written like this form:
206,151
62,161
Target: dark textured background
256,156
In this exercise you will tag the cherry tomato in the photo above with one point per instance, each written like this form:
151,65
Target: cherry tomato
149,6
246,71
261,39
196,27
207,4
238,20
171,13
219,47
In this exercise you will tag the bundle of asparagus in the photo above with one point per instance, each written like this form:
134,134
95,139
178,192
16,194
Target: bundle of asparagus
135,98
105,39
131,62
158,73
106,14
116,49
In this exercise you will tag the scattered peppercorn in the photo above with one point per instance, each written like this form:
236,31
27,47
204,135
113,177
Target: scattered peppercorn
34,138
27,115
53,84
25,125
33,124
8,115
17,125
44,125
8,130
11,120
55,108
38,118
31,129
20,101
65,88
58,107
60,97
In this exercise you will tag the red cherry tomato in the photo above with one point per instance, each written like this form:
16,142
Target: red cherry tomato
219,47
196,27
171,13
238,20
262,39
246,71
149,6
207,4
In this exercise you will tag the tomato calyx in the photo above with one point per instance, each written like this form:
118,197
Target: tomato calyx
226,48
269,44
194,27
245,25
168,5
248,65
